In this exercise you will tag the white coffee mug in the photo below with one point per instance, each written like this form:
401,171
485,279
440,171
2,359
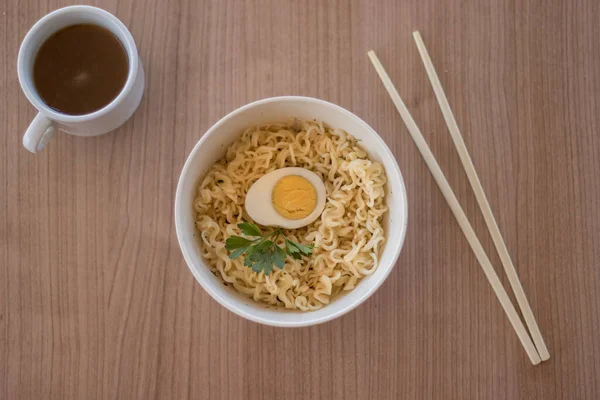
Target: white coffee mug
98,122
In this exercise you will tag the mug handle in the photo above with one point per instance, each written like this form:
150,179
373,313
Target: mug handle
38,134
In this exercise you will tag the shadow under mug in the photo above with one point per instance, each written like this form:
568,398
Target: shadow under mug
101,121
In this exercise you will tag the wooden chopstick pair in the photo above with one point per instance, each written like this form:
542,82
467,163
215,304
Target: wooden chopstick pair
539,351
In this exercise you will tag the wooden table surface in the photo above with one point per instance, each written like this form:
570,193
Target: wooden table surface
97,302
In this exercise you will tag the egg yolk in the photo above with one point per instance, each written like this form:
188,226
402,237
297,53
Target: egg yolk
294,197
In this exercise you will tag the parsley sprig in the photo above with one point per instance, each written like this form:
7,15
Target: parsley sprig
263,251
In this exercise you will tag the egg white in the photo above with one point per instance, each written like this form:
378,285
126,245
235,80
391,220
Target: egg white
259,199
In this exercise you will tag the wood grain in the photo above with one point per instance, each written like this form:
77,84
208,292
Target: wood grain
96,301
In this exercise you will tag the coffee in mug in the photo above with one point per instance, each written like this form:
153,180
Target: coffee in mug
80,69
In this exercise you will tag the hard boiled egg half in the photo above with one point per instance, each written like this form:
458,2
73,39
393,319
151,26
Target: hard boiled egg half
288,197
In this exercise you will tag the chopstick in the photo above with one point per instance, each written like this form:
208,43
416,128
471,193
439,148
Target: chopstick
458,212
484,205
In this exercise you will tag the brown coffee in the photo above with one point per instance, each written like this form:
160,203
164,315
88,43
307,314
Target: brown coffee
80,69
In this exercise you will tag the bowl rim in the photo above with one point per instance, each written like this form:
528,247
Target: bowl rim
225,300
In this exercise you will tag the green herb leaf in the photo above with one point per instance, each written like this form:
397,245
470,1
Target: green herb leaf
297,250
305,250
262,261
290,247
249,229
262,254
237,252
248,262
264,246
237,242
251,250
279,257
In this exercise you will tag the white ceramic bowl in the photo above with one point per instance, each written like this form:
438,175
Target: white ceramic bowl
211,148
